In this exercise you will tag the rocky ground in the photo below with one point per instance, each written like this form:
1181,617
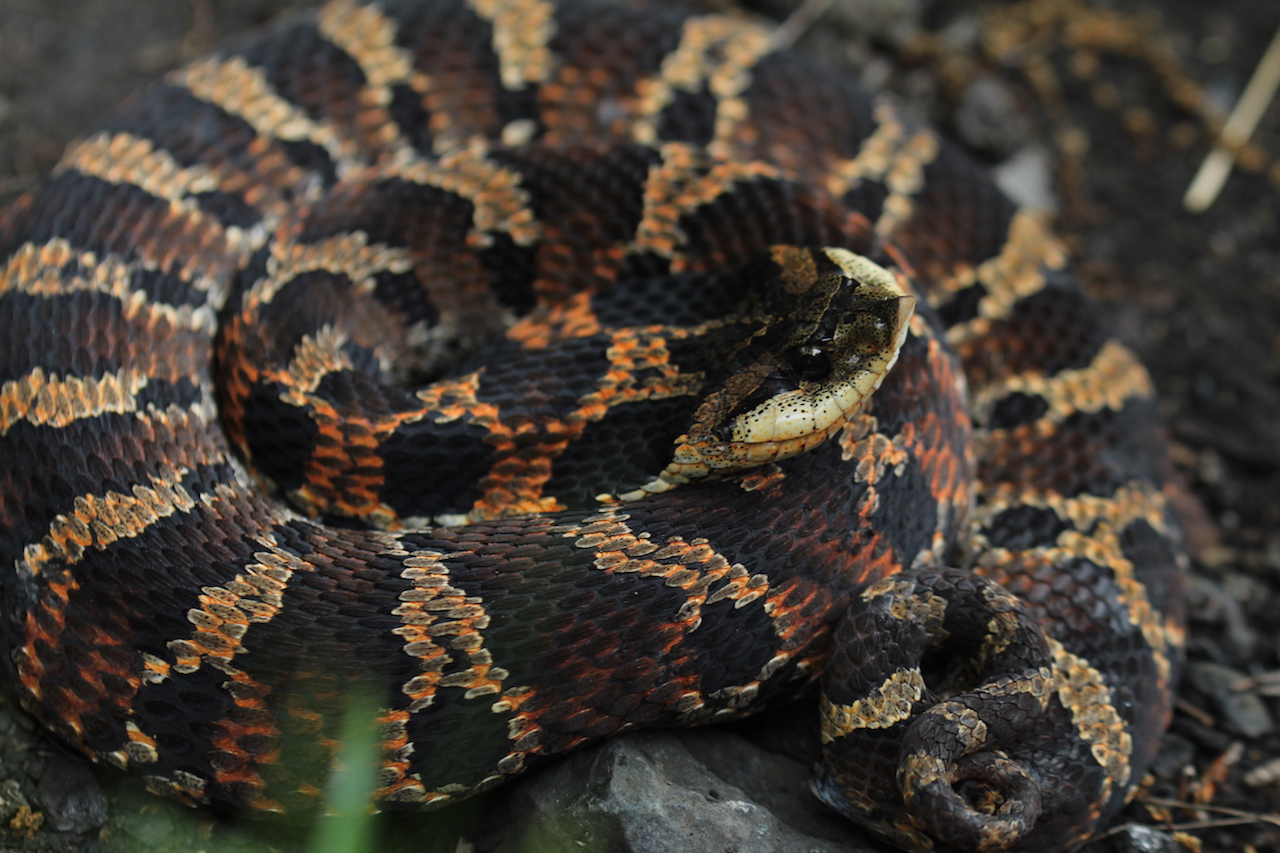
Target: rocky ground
1100,113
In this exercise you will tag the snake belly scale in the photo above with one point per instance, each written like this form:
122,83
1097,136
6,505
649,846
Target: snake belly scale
548,371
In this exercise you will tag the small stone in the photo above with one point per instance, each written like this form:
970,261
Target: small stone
1143,839
1175,753
1242,712
1210,603
648,793
988,117
71,795
1027,178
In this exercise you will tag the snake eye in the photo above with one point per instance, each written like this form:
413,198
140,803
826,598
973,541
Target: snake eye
810,363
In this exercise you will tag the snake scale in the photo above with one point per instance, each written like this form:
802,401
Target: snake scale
550,371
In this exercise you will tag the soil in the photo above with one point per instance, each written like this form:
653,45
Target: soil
1103,112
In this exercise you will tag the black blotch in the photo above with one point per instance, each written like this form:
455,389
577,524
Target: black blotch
395,212
964,210
312,157
412,118
1060,327
255,269
229,209
436,467
911,503
512,269
1142,545
280,437
109,453
166,287
1155,561
607,203
91,214
752,215
160,394
39,332
1108,449
629,446
1023,527
867,198
474,738
646,264
404,294
191,130
1152,553
172,566
307,302
354,392
1017,409
732,644
519,105
690,117
544,383
963,306
307,69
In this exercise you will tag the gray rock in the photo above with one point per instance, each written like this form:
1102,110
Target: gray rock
664,792
988,117
1144,839
70,794
1213,604
1243,713
1027,178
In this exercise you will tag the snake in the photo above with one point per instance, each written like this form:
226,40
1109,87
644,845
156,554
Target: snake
525,373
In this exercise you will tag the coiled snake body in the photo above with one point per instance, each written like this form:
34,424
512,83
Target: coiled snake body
517,364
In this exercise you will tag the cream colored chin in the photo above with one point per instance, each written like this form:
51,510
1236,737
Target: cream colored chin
795,414
798,413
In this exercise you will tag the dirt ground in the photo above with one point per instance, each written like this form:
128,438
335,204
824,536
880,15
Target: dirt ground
1103,111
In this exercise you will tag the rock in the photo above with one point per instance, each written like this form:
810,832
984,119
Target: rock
663,792
1175,753
1142,839
988,118
1210,603
1243,713
70,795
1027,178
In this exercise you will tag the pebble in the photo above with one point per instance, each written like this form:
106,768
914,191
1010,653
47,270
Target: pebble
70,795
1144,839
988,118
1243,713
1027,178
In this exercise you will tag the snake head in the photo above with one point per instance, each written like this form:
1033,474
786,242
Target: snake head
833,325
